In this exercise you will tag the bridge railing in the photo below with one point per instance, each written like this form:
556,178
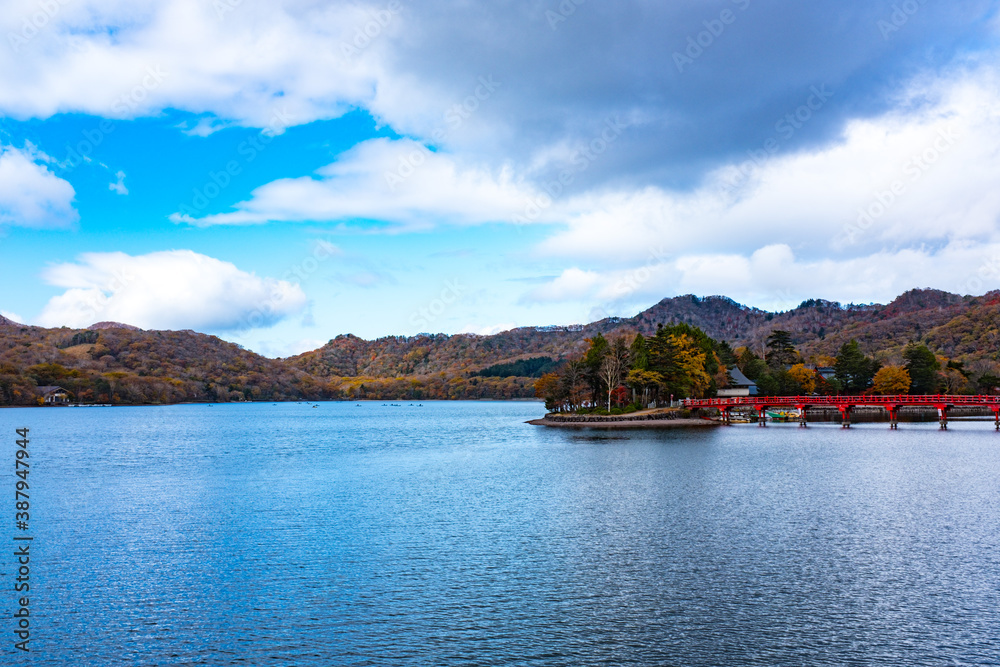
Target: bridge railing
874,400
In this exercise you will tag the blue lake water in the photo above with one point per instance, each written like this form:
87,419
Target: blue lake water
455,534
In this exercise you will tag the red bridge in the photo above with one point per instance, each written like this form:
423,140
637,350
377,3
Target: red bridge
844,404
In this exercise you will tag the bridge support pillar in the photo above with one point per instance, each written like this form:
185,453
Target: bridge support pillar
762,415
893,416
996,416
845,416
943,416
802,415
727,417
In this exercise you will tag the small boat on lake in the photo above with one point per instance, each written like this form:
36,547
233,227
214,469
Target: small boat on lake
783,416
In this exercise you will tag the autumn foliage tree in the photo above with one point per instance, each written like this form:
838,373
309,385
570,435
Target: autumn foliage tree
892,380
548,388
805,377
645,382
679,360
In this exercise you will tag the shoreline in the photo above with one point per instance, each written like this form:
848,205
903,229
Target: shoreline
276,401
625,423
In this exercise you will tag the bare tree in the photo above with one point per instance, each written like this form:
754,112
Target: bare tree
574,387
615,365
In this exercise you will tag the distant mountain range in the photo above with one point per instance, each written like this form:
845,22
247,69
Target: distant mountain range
121,362
963,328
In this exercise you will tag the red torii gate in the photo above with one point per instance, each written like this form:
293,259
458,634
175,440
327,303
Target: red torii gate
891,403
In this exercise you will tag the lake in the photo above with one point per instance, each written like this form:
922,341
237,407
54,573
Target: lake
454,534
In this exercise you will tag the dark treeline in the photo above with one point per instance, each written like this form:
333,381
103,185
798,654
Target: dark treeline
535,367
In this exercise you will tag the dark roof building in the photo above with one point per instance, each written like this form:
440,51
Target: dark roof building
52,394
739,385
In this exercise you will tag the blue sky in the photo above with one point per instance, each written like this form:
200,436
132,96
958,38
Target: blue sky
278,173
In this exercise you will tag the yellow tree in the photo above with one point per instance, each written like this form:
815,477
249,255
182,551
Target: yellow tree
643,381
826,360
892,380
689,362
804,376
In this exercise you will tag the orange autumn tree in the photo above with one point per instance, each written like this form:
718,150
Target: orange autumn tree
892,380
548,387
804,376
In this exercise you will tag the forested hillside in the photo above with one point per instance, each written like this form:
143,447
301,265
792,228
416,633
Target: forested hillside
817,326
113,363
125,365
440,366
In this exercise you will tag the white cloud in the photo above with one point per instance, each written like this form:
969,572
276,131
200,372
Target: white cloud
921,176
13,317
937,152
400,182
30,194
236,61
119,185
176,289
572,284
772,277
903,200
233,60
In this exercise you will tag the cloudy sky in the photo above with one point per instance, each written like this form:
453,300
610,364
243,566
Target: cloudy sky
278,173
